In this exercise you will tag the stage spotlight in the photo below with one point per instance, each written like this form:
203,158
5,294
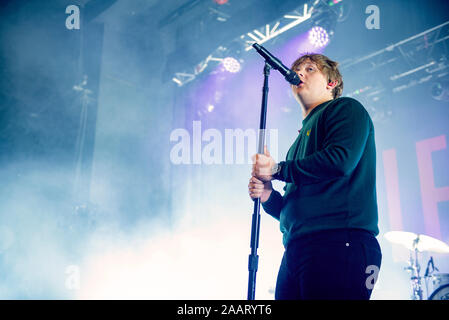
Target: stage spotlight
221,1
440,90
318,37
231,64
332,2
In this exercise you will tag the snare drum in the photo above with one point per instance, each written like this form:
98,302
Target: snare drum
439,286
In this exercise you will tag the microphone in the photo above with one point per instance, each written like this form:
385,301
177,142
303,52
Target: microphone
428,267
433,266
276,64
430,264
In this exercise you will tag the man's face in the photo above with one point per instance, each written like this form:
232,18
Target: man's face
315,85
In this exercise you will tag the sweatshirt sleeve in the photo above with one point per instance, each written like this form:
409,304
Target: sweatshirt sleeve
274,204
346,128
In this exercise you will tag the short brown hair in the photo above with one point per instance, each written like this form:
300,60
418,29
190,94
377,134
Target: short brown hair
327,66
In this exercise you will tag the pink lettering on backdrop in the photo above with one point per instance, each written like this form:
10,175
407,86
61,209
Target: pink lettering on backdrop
429,193
392,188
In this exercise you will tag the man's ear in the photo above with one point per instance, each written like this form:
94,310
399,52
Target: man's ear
332,83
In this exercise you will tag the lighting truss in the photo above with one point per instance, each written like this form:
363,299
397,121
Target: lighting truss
401,66
261,35
272,30
181,78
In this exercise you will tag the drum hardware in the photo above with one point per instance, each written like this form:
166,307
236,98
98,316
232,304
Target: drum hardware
429,273
417,243
414,268
440,287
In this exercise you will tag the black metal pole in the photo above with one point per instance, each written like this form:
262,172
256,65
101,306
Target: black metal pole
253,260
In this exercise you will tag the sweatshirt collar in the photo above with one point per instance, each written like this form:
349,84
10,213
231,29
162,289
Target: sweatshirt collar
304,121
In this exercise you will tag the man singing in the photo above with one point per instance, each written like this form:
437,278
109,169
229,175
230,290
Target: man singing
328,213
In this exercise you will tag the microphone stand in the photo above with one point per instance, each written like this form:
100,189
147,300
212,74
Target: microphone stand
253,260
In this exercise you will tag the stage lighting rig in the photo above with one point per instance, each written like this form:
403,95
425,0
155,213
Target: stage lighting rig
274,29
440,90
407,64
244,42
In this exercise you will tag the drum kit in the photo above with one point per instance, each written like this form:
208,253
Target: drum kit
417,243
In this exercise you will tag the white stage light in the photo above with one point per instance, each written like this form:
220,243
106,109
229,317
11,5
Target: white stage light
231,64
318,36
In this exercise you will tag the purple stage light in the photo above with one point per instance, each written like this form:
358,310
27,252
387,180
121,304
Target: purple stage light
231,64
318,37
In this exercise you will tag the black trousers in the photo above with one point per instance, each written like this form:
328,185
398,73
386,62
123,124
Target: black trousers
338,264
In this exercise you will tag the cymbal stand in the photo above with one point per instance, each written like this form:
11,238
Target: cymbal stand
414,268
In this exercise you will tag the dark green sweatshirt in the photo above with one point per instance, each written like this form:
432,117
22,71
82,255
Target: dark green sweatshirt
330,173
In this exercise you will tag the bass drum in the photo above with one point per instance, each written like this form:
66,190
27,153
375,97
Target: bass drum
441,283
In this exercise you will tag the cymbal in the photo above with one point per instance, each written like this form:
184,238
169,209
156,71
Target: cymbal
412,240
